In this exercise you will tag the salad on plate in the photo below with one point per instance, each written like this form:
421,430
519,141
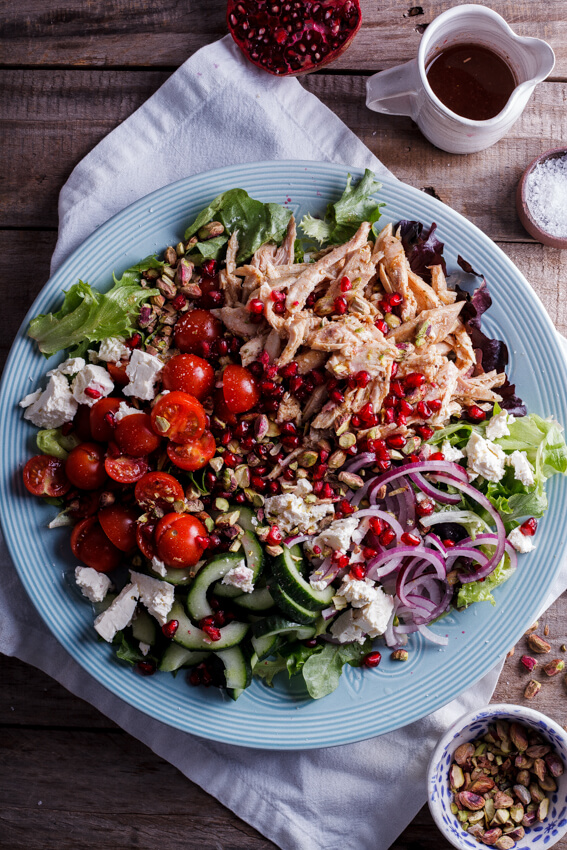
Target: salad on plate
281,454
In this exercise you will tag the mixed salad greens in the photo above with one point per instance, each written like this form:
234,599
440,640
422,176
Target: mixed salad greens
294,446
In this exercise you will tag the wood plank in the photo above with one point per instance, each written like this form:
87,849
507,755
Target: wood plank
52,119
145,34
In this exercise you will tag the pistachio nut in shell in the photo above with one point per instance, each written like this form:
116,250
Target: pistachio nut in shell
456,777
463,754
554,765
491,836
519,737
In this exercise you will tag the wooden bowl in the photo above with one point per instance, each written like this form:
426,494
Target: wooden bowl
532,226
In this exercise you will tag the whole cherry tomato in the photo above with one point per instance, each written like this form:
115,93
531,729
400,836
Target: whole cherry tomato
189,373
135,436
117,372
194,328
177,540
44,475
158,490
239,388
91,545
222,411
119,524
85,466
178,416
195,454
102,418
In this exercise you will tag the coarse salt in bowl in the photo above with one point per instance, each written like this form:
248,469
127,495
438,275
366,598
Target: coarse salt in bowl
541,198
470,728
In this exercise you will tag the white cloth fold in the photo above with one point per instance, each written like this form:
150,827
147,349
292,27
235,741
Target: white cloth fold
219,110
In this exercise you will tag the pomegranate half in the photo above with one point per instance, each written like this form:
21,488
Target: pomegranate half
292,38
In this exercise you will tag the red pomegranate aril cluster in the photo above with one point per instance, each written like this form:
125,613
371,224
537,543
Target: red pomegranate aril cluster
373,659
475,413
169,629
358,571
340,305
345,284
207,625
410,539
529,527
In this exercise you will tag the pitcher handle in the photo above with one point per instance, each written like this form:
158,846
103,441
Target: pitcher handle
394,91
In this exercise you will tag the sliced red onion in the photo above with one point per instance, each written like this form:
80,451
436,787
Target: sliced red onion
364,459
328,613
438,466
460,517
392,521
299,538
433,492
441,640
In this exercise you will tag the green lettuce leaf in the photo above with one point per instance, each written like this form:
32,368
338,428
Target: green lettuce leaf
481,591
322,670
255,222
344,217
89,316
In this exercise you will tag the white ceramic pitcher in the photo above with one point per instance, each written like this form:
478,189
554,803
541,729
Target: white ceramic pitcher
405,90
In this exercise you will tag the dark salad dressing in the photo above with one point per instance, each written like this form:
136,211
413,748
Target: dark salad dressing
471,80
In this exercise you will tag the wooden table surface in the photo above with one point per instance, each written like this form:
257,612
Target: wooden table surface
70,71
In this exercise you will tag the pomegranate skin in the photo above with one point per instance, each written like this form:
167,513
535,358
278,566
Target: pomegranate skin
293,38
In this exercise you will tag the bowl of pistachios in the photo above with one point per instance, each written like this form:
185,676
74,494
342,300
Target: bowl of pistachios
497,778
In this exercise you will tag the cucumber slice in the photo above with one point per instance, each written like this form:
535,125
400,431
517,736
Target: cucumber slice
245,518
287,569
259,600
144,627
191,637
176,656
291,608
226,591
237,668
177,577
270,626
266,645
197,602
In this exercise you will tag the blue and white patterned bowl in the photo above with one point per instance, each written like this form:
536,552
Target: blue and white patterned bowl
470,727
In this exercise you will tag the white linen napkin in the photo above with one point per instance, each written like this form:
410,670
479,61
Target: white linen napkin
218,110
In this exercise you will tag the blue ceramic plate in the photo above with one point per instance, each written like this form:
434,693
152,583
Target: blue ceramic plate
368,702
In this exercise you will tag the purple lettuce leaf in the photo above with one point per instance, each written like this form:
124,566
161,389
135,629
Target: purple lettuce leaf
422,247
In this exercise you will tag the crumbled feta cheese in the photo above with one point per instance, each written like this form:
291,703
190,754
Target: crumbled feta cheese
358,592
523,470
144,647
95,379
362,530
347,630
316,582
113,349
52,407
498,426
426,451
241,577
119,613
93,585
302,487
484,458
155,595
450,453
69,367
159,567
143,371
521,542
374,617
290,512
124,410
338,535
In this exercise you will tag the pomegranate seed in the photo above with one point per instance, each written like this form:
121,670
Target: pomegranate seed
288,474
357,571
397,389
389,401
170,628
291,442
424,431
290,370
340,305
296,383
318,377
362,379
195,678
327,492
261,451
404,407
529,527
179,302
209,268
203,542
355,420
317,487
220,619
366,412
212,632
311,300
210,480
395,299
346,507
92,393
373,659
425,507
394,369
332,384
317,550
279,308
146,668
383,465
388,415
271,372
257,483
267,387
277,295
336,396
214,541
341,560
274,536
437,456
475,413
319,471
273,487
412,459
323,455
242,429
377,525
369,553
414,380
422,409
382,326
230,460
256,307
396,441
225,438
135,341
206,677
240,499
401,420
221,347
387,536
409,539
346,285
448,544
288,428
110,419
435,404
310,643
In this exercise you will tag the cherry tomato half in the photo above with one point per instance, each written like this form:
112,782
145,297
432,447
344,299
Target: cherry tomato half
123,468
222,411
194,328
145,538
158,490
135,436
117,372
190,374
82,423
194,454
44,475
176,540
85,466
119,524
90,545
239,388
178,416
102,418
